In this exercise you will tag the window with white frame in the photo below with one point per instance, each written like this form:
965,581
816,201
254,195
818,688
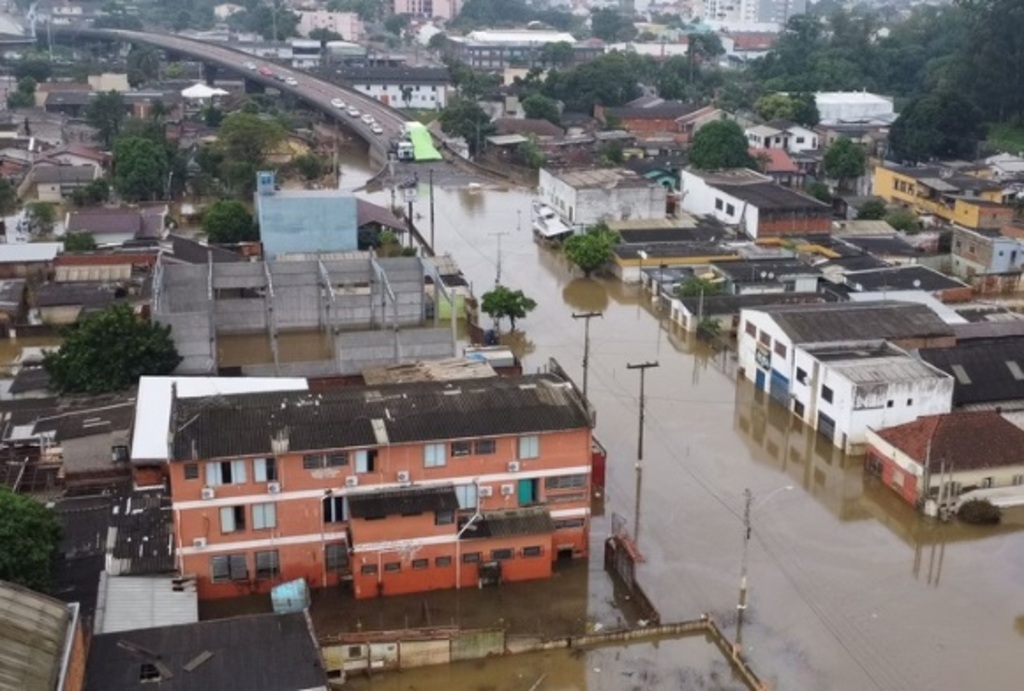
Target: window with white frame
232,519
264,516
529,447
467,496
225,473
366,460
335,509
434,456
264,469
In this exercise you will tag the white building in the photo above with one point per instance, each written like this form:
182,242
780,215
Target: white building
348,24
225,10
583,197
421,88
440,9
853,106
782,134
844,389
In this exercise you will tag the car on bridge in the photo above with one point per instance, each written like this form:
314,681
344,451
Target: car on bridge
338,103
353,112
291,81
265,71
251,66
376,129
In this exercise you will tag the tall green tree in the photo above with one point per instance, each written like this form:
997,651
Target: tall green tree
611,26
106,112
140,169
541,107
592,250
844,161
143,65
557,54
993,65
245,140
501,302
945,125
79,242
310,166
228,221
8,197
720,144
29,535
464,118
109,351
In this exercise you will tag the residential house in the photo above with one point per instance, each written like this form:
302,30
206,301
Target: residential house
754,202
909,277
217,654
190,251
782,134
965,200
978,253
844,389
27,260
853,107
44,90
436,9
585,196
68,102
747,45
75,155
104,266
42,640
494,477
689,312
987,371
420,88
872,136
769,337
119,226
630,260
12,304
938,458
1006,166
758,276
301,221
537,127
648,118
109,81
888,245
776,164
62,304
56,183
346,24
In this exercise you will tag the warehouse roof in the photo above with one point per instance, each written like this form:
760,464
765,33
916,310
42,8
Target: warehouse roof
851,321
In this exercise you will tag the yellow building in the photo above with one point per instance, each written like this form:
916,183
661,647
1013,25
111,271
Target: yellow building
966,200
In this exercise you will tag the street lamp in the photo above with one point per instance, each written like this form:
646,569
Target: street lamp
747,529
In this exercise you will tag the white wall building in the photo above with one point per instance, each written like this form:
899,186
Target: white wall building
348,24
843,390
853,106
587,196
782,135
421,88
441,9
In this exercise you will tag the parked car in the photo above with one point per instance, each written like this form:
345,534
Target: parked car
291,81
338,103
265,71
376,129
353,112
367,118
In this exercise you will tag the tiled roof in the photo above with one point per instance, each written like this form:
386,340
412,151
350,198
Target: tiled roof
908,277
30,379
537,126
848,321
48,174
192,252
534,521
91,295
75,424
402,502
967,440
775,160
101,221
247,424
368,212
984,370
732,304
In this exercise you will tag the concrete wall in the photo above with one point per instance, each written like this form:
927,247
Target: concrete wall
701,199
195,340
307,223
358,351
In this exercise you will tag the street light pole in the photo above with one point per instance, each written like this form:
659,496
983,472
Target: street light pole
643,367
586,316
747,531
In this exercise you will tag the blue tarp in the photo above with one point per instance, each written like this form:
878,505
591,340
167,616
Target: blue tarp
292,596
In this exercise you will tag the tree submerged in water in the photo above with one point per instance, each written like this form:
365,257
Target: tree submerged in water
502,301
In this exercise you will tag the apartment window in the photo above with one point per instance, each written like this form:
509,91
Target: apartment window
232,519
267,565
442,561
467,496
313,461
191,471
565,482
366,460
471,558
229,567
461,448
433,456
765,339
368,569
889,403
335,510
826,394
801,375
751,330
719,204
420,564
264,516
799,140
529,447
1018,479
336,556
444,517
225,473
798,409
338,459
533,551
730,209
485,447
264,469
501,554
393,567
780,349
910,401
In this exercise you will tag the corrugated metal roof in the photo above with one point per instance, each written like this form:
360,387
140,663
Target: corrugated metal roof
129,603
402,502
33,631
534,521
15,253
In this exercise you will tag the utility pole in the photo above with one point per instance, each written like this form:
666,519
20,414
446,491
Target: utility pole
742,605
586,316
431,179
498,234
643,367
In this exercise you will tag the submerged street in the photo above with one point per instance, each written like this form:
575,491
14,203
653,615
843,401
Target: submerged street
849,588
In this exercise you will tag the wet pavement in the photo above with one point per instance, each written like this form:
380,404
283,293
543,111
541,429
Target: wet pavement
849,588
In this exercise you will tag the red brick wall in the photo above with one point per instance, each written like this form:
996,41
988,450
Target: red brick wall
74,679
892,474
648,127
795,224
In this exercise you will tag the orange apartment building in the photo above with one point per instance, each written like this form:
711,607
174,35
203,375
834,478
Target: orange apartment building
392,489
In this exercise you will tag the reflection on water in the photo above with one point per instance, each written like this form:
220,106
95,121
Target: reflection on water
240,350
586,295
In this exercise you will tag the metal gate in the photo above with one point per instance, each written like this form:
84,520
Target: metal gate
779,388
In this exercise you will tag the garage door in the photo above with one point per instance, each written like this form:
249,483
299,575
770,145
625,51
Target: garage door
779,387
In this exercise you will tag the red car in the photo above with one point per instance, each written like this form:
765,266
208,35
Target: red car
266,72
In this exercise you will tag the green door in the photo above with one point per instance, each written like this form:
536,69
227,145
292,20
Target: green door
527,492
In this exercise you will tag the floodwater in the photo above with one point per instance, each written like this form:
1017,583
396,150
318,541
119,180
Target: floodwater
849,589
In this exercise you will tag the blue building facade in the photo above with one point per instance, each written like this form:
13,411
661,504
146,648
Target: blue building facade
304,221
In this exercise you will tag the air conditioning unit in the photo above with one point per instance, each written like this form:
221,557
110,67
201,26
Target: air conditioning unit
513,466
352,481
273,488
209,493
199,542
403,477
486,491
508,490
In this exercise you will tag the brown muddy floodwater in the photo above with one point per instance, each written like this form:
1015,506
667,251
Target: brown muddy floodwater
849,588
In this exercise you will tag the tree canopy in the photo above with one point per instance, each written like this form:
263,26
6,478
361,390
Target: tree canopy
79,242
943,125
720,144
109,351
611,26
244,142
541,107
844,160
140,168
8,197
29,534
799,108
591,251
228,221
106,113
464,118
872,210
501,301
488,13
